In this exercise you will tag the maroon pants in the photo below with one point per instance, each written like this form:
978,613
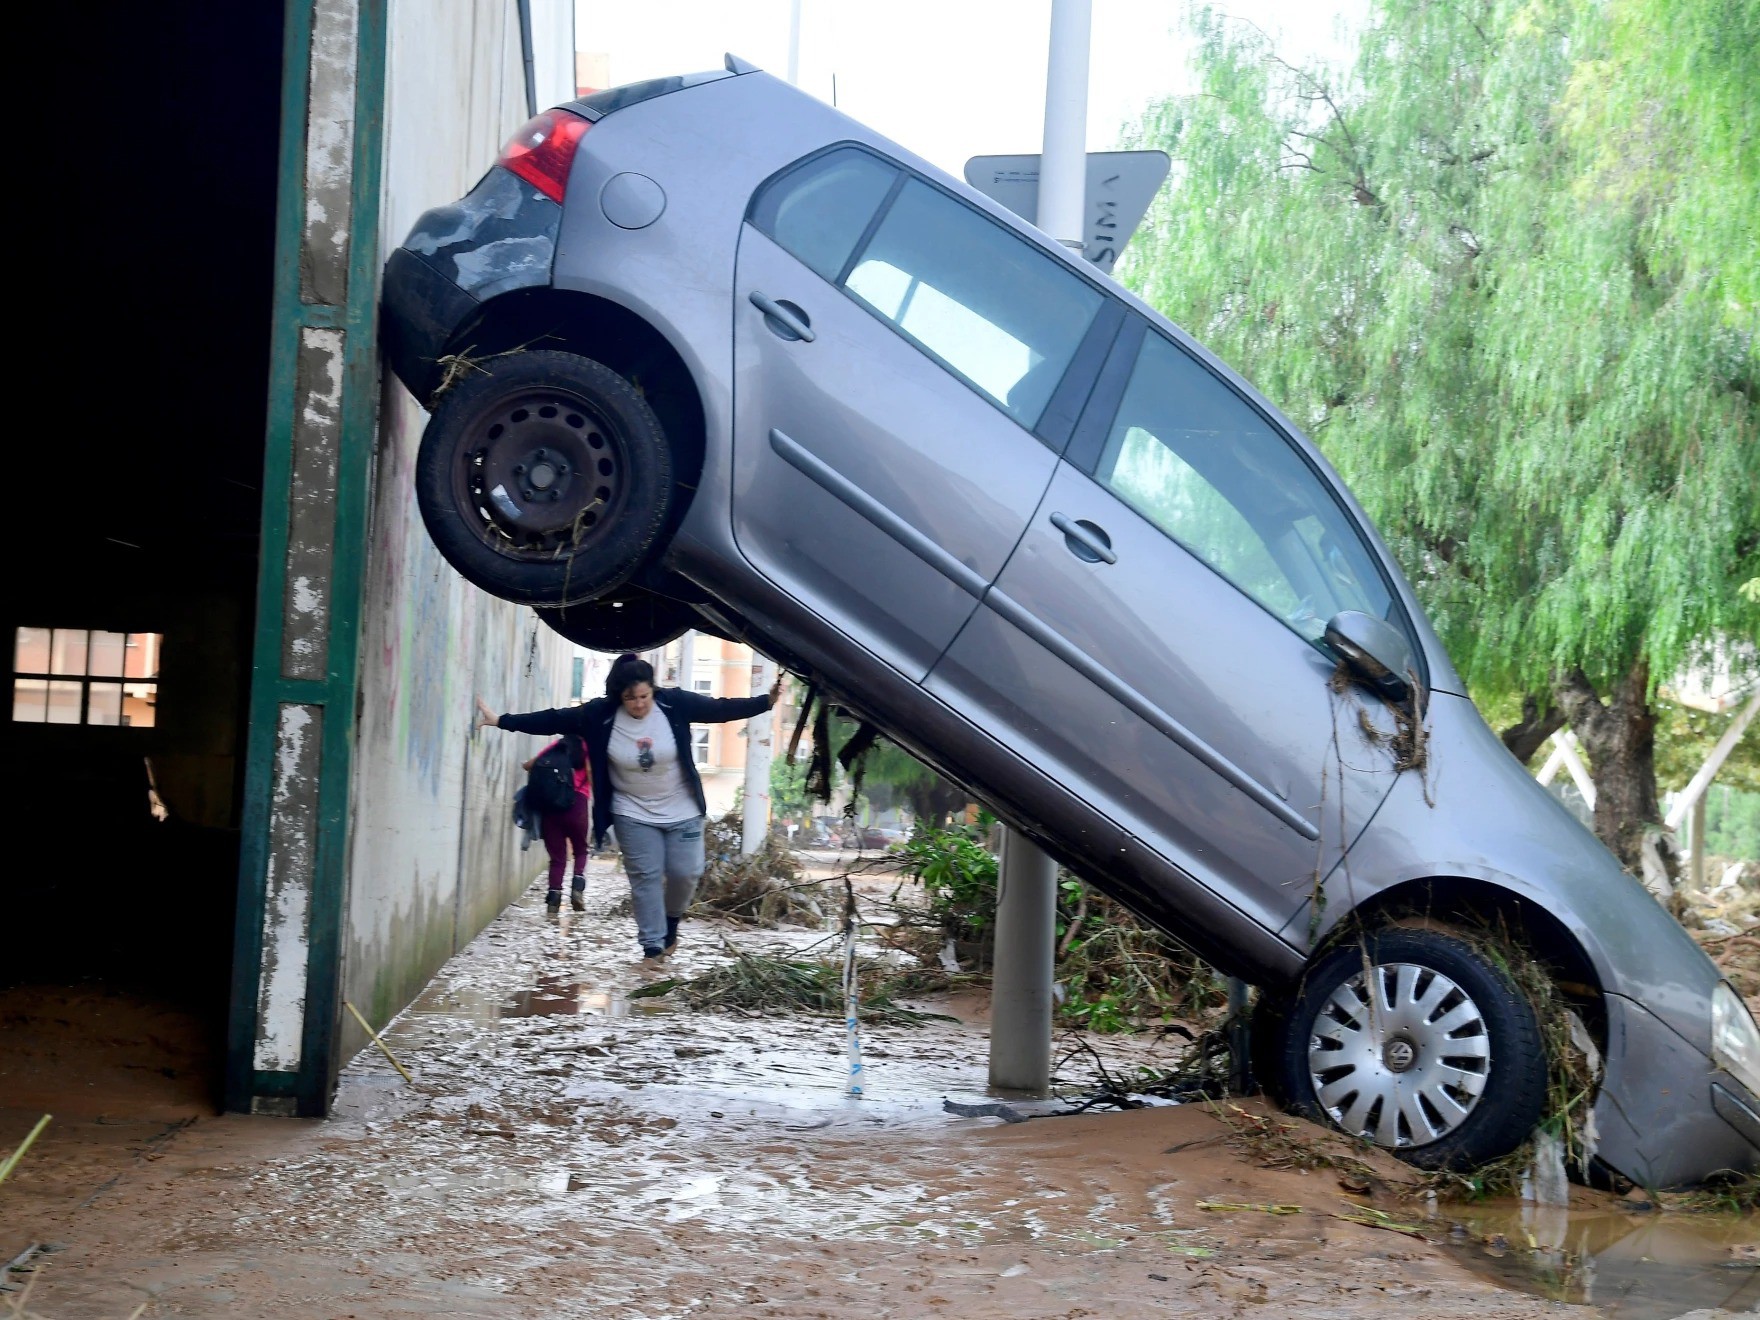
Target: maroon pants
564,831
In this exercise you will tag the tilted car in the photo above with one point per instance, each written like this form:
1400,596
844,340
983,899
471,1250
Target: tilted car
703,351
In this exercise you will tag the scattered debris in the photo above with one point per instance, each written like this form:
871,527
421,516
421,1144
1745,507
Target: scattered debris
17,1155
1261,1207
985,1109
383,1047
1370,1217
763,985
764,888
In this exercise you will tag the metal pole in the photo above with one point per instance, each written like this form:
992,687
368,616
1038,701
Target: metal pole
1020,985
1239,1047
1696,863
755,814
794,42
1063,164
1026,900
687,661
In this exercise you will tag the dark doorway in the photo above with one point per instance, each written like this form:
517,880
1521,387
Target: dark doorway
145,329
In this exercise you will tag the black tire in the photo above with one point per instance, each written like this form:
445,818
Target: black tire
628,620
1411,1077
544,478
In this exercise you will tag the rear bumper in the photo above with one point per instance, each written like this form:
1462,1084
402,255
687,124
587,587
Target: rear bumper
500,238
1666,1117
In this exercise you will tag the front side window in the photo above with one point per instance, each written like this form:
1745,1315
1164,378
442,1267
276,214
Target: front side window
1195,459
983,302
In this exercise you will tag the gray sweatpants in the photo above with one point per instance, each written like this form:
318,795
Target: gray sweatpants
664,863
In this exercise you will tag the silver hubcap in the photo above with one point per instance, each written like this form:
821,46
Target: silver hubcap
1399,1055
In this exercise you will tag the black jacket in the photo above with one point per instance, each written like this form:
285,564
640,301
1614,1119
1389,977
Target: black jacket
593,720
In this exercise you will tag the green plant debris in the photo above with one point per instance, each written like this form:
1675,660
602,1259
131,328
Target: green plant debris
764,888
1114,972
1261,1207
764,985
1370,1217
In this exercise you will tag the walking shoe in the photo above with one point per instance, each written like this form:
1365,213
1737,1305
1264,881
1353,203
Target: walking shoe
553,899
577,898
671,934
651,956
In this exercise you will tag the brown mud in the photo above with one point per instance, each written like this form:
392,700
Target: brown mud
566,1151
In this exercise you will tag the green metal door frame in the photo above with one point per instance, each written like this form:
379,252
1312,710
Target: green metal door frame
316,475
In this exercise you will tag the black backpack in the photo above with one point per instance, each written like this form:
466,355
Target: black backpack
550,781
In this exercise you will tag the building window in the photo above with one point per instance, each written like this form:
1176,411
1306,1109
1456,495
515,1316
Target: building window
704,685
82,676
700,746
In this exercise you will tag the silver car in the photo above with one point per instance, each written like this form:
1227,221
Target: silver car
704,352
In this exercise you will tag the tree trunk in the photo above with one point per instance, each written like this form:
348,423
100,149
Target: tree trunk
1619,734
1536,726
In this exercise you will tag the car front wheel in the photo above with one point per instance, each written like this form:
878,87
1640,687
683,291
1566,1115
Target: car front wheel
1417,1040
544,477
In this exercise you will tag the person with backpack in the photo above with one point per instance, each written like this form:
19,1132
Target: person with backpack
638,740
559,788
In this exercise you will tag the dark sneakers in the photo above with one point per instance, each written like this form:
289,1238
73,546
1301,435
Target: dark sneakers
671,934
577,898
553,900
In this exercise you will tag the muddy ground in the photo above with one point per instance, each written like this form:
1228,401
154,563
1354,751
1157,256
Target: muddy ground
565,1151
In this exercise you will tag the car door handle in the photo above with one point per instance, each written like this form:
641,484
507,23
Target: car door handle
784,319
1087,541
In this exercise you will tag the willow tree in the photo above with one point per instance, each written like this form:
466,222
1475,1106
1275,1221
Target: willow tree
1503,270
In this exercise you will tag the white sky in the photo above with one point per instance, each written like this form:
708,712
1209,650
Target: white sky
948,79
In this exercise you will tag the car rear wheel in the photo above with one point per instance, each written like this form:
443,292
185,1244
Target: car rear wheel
629,620
1416,1040
544,477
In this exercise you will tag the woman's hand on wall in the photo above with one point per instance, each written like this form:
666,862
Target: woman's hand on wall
486,718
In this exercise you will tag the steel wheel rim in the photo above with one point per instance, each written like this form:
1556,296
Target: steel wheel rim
1399,1054
542,472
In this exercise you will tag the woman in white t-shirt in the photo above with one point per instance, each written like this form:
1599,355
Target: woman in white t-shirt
645,782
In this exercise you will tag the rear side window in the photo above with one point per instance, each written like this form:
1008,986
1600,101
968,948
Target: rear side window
999,313
820,212
1195,459
980,300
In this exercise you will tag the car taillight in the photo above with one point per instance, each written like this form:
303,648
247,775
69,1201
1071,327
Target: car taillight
543,150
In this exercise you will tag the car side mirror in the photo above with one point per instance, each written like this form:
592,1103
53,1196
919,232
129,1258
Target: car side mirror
1373,650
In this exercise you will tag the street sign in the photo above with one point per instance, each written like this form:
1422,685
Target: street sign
1121,184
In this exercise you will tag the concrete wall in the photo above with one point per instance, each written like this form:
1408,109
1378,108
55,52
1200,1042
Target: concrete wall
432,853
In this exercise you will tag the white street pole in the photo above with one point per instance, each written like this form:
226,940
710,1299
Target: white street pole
687,661
1063,162
755,815
794,42
1026,898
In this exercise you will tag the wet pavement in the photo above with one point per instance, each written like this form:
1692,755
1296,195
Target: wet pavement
568,1151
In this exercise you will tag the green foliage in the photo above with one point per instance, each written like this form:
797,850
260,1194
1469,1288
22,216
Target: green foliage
958,875
1527,345
1117,973
900,775
1732,823
788,788
1685,737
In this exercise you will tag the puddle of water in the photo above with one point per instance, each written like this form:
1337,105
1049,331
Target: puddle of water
1648,1266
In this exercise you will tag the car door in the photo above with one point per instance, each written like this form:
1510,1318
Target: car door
903,379
1154,641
